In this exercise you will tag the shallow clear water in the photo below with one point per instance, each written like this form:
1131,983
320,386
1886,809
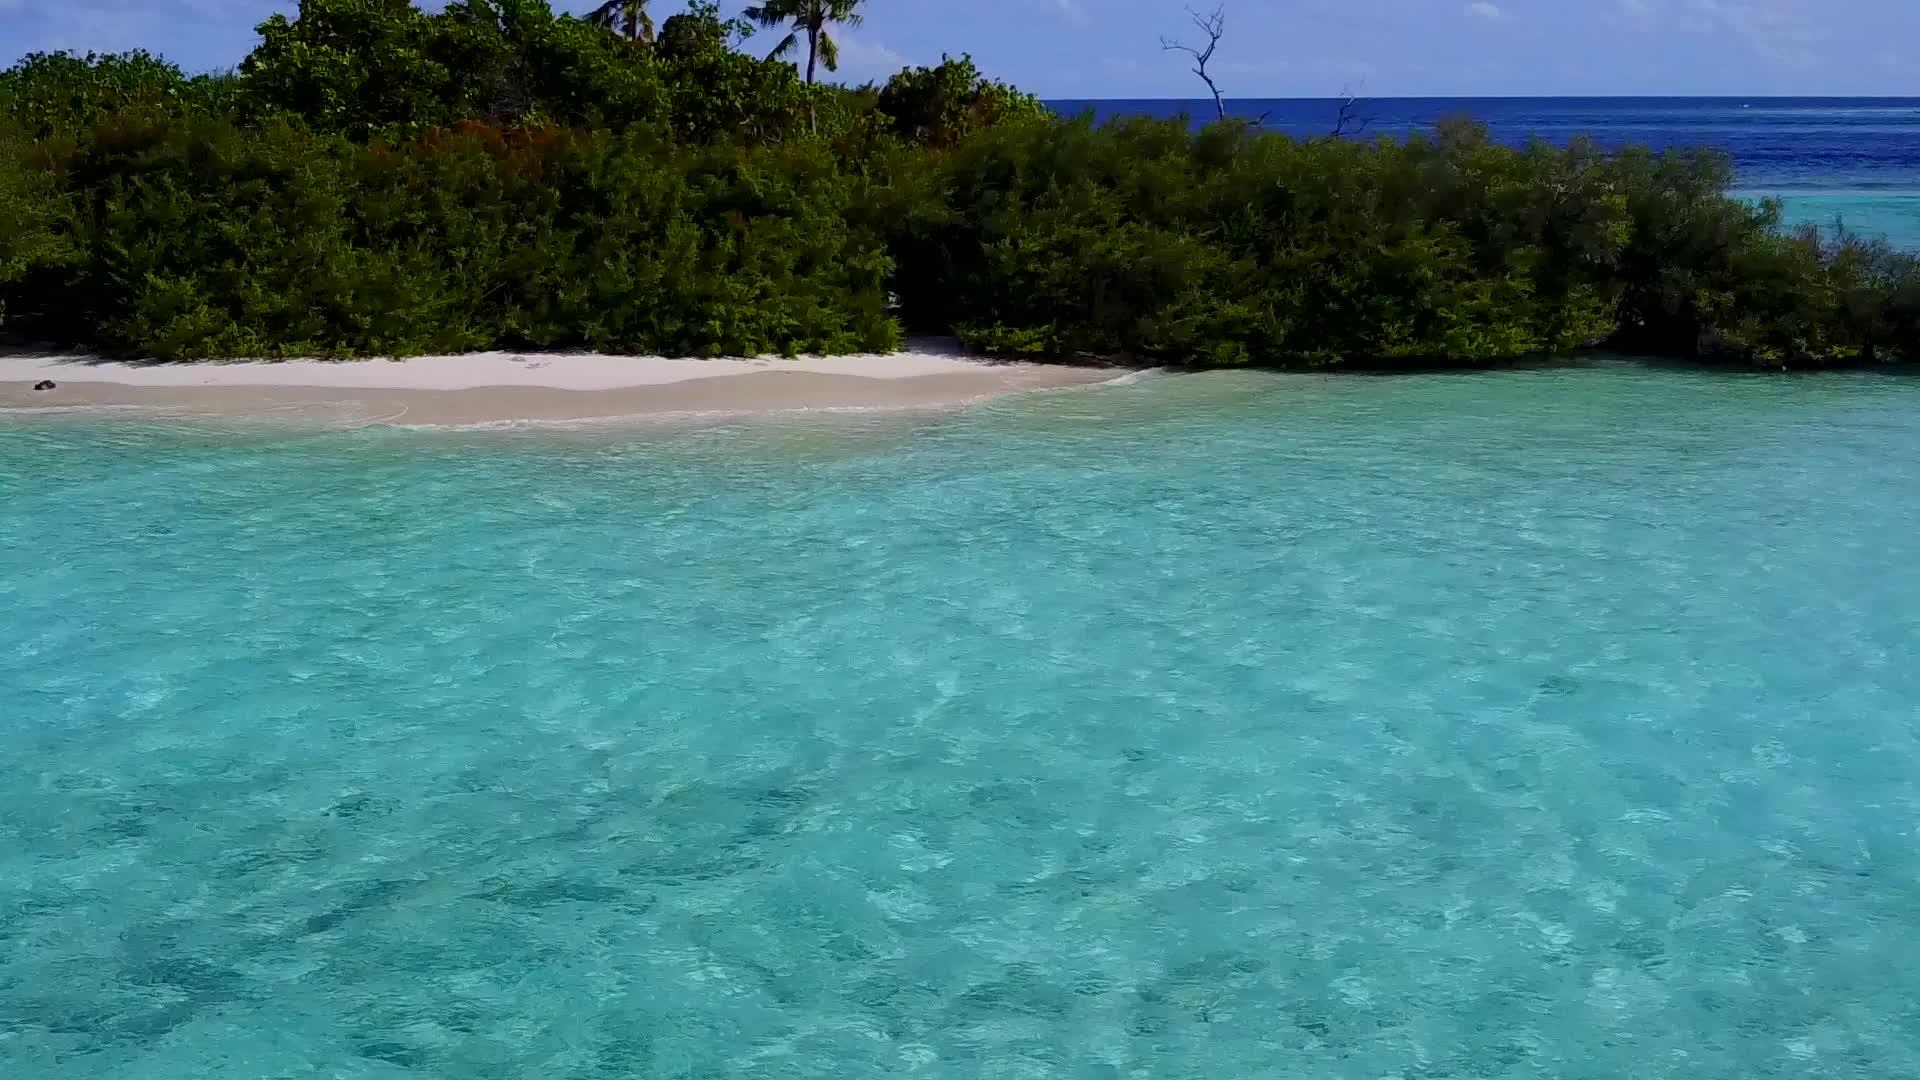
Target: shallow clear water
1533,724
1891,215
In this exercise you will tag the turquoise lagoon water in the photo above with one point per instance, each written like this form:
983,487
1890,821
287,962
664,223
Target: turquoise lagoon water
1890,214
1532,724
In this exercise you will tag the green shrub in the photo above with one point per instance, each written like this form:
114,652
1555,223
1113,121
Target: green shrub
1230,245
941,106
385,67
381,179
35,220
58,94
204,238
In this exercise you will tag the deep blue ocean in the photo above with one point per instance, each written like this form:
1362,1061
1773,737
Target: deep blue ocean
1849,160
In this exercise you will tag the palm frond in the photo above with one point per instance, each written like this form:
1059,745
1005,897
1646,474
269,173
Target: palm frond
829,53
606,14
786,46
771,13
628,18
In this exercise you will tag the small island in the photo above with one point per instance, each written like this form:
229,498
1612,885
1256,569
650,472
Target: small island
380,180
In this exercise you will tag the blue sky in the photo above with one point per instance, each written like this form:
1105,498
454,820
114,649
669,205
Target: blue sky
1274,48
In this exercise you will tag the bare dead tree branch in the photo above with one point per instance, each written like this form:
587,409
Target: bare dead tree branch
1215,27
1348,120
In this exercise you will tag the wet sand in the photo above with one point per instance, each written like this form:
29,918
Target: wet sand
507,388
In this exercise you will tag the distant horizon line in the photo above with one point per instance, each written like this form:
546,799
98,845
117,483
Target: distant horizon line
1915,97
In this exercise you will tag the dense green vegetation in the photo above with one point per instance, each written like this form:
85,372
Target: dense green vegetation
379,179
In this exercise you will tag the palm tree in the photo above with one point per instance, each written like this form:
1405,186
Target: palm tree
810,17
627,17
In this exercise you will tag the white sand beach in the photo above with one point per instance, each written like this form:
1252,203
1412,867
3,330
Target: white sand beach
499,387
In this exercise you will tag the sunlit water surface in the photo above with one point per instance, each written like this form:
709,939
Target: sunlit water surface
1516,725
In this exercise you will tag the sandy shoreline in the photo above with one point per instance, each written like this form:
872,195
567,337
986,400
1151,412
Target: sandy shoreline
500,388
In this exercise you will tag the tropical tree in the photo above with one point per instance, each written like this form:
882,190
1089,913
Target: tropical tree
809,17
629,18
946,104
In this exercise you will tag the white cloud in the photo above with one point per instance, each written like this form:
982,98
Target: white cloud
862,60
1774,30
1481,9
1069,9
